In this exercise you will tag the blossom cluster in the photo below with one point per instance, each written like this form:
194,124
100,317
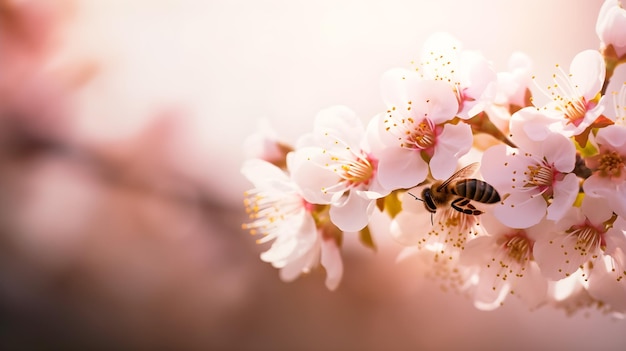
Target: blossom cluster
455,135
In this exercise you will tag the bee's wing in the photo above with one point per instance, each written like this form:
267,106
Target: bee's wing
461,173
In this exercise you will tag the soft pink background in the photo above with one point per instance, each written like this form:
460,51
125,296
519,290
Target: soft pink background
121,130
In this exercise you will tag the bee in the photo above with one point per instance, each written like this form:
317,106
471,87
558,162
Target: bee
459,191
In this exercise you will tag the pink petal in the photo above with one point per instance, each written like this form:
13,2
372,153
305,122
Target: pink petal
560,151
410,229
555,264
454,142
490,291
520,210
533,287
604,286
613,135
565,192
529,126
493,167
476,249
597,210
401,168
616,241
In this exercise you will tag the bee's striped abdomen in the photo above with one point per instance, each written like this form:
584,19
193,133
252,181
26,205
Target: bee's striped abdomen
476,190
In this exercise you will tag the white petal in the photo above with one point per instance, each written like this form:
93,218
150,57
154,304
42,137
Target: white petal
434,99
259,171
400,168
587,72
294,238
309,174
353,215
394,86
476,73
331,261
338,122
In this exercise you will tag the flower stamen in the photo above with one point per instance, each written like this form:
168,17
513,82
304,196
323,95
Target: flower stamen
611,164
422,136
539,175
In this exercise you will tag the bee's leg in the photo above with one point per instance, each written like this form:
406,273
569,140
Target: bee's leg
465,206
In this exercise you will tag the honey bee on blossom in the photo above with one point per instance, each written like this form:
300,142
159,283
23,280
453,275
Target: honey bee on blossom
458,192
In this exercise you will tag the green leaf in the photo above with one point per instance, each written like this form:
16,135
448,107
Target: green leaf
365,236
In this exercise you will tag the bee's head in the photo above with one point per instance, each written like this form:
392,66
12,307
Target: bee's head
429,204
427,198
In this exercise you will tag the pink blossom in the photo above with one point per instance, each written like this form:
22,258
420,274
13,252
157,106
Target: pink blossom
584,235
608,180
611,27
505,263
469,74
413,132
534,181
278,211
575,97
333,165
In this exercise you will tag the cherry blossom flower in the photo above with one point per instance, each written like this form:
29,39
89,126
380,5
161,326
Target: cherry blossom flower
582,240
608,180
611,27
447,234
413,132
576,100
533,180
278,211
506,264
469,73
333,166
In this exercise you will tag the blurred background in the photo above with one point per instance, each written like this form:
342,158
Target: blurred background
121,131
